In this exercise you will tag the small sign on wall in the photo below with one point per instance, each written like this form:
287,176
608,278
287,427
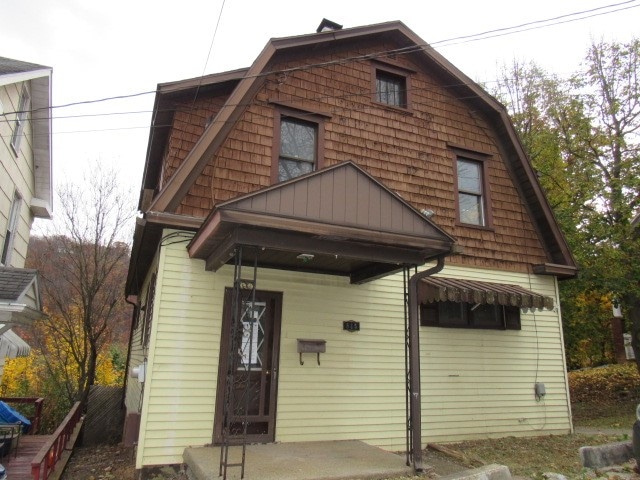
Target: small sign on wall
351,326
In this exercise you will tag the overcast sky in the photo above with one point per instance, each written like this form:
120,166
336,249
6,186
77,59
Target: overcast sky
101,49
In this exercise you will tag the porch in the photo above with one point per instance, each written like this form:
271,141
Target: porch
348,459
42,457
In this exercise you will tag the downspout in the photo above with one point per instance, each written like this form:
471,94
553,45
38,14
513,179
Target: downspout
415,403
131,331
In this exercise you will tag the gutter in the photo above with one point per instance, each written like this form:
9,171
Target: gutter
415,403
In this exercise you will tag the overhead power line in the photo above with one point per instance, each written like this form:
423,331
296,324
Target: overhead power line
536,24
503,31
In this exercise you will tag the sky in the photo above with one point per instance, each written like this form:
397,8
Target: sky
125,47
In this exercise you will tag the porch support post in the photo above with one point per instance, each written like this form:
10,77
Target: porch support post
415,403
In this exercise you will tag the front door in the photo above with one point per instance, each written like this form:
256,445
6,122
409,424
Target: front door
255,376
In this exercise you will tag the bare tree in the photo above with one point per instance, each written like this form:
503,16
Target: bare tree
83,265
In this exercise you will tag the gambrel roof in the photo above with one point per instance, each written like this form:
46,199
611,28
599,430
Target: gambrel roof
539,209
238,89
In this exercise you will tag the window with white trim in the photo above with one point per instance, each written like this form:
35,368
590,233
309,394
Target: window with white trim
12,228
21,119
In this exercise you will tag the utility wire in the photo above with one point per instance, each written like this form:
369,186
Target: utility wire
537,24
548,22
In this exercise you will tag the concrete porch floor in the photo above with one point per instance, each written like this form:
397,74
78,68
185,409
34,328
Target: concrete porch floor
336,460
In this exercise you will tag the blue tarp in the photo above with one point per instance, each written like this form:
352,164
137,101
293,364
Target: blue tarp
9,415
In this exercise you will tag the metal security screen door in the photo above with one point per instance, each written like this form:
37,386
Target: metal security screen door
255,378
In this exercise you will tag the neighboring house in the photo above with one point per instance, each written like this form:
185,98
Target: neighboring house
25,191
296,200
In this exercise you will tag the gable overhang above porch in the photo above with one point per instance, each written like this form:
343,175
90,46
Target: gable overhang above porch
338,221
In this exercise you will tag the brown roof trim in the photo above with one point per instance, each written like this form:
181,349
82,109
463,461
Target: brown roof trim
198,82
173,220
560,271
438,289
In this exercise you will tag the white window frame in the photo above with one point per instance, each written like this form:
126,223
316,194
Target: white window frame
21,119
12,229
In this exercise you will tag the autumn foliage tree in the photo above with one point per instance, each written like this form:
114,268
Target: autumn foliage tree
82,266
583,137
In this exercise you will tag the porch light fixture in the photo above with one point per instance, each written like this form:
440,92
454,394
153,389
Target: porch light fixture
305,257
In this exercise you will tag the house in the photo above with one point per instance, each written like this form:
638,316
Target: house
345,240
25,191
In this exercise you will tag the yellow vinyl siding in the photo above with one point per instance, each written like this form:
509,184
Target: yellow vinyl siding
358,390
475,383
480,383
182,361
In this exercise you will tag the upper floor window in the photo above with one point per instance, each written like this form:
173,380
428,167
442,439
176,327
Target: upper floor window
391,89
21,118
12,229
390,85
471,192
298,146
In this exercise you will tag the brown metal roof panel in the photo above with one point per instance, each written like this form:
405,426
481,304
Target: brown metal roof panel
343,194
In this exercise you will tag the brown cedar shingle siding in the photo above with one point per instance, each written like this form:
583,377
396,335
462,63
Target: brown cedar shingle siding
188,124
410,153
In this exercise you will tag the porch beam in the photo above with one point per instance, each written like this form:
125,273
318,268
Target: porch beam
295,242
332,230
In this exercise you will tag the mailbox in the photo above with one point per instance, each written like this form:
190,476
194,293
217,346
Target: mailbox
306,345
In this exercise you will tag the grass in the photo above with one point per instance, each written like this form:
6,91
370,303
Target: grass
532,456
620,414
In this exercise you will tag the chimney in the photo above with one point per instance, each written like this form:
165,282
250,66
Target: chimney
328,26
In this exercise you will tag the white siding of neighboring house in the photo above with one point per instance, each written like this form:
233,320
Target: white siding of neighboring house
15,173
475,382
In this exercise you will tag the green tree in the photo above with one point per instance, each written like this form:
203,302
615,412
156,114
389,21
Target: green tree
582,137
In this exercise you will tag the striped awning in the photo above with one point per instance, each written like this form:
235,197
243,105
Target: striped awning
437,289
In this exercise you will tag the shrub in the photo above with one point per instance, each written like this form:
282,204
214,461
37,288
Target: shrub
607,383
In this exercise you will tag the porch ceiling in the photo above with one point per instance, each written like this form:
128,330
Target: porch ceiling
345,221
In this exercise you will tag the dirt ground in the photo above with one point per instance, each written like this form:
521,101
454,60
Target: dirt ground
526,457
101,463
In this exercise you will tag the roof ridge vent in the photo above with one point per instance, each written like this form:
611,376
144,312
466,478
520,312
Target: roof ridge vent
328,26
